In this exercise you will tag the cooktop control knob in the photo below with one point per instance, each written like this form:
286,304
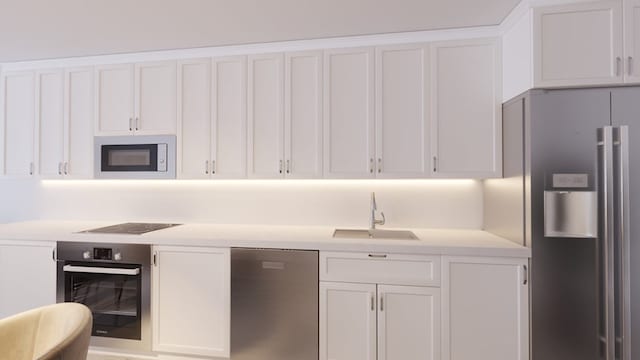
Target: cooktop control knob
117,256
86,255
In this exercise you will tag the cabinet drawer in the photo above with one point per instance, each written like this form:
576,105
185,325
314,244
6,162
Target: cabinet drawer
380,268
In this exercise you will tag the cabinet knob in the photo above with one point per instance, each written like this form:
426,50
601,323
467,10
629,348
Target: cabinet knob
288,167
206,167
60,168
280,167
130,124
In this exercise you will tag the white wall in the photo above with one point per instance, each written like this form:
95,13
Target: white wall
406,203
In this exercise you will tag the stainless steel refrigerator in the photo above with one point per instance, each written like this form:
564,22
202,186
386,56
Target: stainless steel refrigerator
580,150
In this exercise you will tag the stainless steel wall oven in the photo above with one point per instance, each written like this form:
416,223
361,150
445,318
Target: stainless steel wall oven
113,280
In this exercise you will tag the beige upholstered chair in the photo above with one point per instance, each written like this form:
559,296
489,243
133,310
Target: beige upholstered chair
53,332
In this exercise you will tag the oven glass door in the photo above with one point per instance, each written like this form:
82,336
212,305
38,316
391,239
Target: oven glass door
138,157
112,292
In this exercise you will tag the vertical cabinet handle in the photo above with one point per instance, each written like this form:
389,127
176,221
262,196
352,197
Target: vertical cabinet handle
206,167
31,168
371,165
137,123
618,63
213,166
372,300
379,165
525,275
155,258
66,168
382,302
288,167
435,162
280,167
60,168
630,65
130,124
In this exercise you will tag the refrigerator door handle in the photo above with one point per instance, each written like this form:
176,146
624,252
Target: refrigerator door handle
606,181
623,241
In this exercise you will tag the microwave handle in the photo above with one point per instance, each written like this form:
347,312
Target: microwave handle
100,270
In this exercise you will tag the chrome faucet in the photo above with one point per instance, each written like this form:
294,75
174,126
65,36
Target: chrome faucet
372,219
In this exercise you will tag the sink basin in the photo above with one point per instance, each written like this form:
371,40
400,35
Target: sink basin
374,234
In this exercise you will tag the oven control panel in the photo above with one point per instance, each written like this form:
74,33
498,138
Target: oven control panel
102,254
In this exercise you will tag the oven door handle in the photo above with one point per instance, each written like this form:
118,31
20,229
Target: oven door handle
100,270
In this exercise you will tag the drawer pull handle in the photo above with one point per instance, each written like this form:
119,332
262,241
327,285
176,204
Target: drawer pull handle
378,256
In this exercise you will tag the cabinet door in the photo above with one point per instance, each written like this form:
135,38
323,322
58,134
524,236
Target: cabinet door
349,113
632,40
303,115
347,321
230,118
577,44
194,118
265,146
402,112
27,276
408,323
156,98
19,122
50,113
485,310
78,123
466,109
191,300
114,99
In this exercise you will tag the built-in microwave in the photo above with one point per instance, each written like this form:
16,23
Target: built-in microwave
135,157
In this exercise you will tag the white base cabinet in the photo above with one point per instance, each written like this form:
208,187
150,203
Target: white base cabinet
27,276
191,301
485,309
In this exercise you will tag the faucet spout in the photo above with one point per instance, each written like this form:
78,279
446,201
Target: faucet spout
372,218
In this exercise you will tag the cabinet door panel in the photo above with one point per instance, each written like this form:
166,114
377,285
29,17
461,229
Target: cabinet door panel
349,113
201,325
266,116
632,40
402,124
50,86
194,116
79,123
347,321
230,117
114,99
156,98
303,115
35,285
562,53
408,323
485,309
19,117
466,112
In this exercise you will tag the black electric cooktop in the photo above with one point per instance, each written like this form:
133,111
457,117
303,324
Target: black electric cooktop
130,228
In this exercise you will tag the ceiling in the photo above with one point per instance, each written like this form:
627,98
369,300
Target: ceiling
44,29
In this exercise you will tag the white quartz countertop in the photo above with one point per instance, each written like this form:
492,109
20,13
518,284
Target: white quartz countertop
431,241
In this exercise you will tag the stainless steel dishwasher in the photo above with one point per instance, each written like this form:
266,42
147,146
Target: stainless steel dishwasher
274,304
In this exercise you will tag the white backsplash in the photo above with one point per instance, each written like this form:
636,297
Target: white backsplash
406,203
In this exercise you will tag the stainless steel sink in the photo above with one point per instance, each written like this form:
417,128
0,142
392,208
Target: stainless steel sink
374,234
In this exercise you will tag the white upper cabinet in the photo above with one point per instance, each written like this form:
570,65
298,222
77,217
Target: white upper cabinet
65,115
466,111
114,100
578,44
632,40
78,123
229,106
349,132
19,95
50,114
303,115
265,115
402,112
136,99
194,118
